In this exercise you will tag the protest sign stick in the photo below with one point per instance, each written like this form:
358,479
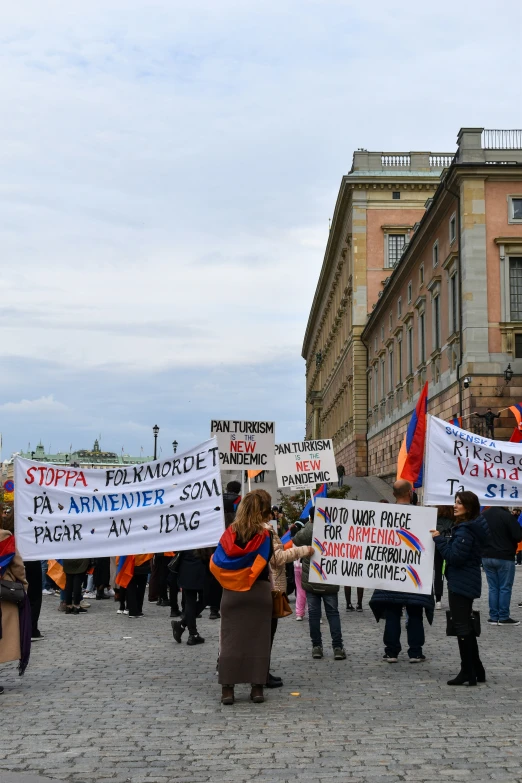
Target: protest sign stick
249,484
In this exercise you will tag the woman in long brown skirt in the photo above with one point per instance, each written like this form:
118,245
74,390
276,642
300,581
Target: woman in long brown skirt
240,564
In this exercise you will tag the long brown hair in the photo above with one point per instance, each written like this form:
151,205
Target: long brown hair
471,503
252,514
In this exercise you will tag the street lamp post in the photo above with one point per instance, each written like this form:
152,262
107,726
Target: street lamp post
175,445
155,430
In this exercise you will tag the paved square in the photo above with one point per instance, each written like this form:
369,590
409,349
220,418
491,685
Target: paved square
111,699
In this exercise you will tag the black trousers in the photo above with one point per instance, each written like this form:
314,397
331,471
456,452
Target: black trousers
73,589
461,608
214,592
438,583
194,605
136,594
162,576
33,573
172,581
102,573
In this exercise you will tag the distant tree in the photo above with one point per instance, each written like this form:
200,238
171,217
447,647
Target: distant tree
294,503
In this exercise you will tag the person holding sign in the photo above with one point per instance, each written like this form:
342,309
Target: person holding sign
388,604
462,553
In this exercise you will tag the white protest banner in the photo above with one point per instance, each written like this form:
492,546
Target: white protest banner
459,460
249,444
377,545
305,463
168,505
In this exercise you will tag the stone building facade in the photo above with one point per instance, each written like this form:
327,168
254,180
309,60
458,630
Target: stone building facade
450,312
380,202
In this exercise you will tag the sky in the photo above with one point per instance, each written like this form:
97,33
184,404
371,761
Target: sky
168,170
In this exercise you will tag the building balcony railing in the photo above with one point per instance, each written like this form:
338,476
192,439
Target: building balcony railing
502,139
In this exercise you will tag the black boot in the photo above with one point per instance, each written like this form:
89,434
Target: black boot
467,672
195,638
477,663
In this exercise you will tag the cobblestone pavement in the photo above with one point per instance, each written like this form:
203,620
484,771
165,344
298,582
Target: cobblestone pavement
111,699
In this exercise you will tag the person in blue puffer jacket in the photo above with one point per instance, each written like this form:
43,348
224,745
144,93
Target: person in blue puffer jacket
463,555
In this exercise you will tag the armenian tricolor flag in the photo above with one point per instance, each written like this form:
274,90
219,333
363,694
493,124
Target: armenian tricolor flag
456,421
56,573
516,436
516,410
322,492
7,552
125,567
411,456
253,473
237,568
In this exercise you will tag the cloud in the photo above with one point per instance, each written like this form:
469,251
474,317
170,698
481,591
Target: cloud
168,171
41,406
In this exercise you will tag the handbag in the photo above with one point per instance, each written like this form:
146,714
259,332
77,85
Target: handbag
474,622
173,565
12,592
280,604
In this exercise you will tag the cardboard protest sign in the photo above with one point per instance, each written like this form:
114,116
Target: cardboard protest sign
304,464
376,545
247,444
459,460
168,505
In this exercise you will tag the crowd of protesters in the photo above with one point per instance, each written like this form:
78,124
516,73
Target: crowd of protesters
246,579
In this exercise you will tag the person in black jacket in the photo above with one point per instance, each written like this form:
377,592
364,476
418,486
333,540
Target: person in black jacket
498,559
193,578
462,553
388,604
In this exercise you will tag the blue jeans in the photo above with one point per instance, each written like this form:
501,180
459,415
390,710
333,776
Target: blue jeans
500,575
332,613
392,630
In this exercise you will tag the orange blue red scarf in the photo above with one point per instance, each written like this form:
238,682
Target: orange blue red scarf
125,567
7,552
237,568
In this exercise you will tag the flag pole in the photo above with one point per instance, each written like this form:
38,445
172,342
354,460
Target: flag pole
249,485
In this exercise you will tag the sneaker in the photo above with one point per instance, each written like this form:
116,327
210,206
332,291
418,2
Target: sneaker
214,615
177,630
389,658
102,597
195,639
61,606
339,654
317,652
89,595
438,605
120,611
349,608
85,604
109,593
358,608
45,591
37,637
133,616
79,610
125,611
57,593
419,659
299,618
509,621
492,622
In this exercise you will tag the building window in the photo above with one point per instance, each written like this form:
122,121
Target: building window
422,338
399,360
376,376
410,350
375,344
399,307
515,209
436,323
518,346
515,288
382,333
396,195
435,252
454,304
421,274
390,362
394,245
452,228
409,292
383,380
391,322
